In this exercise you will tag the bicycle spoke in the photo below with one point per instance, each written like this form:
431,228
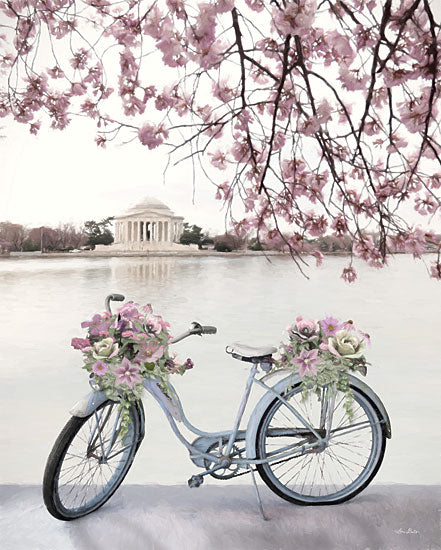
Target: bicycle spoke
86,476
327,470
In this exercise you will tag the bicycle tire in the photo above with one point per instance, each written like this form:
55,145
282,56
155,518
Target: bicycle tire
297,496
56,501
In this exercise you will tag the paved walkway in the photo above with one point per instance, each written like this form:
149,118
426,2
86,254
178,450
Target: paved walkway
215,517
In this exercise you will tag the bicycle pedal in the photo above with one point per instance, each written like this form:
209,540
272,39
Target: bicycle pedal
195,481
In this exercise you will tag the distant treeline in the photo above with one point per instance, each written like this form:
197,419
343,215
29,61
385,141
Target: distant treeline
328,244
15,237
18,238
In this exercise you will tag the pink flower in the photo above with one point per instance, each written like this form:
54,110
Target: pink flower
330,326
306,327
219,159
150,351
256,5
152,136
100,368
127,374
153,324
349,274
223,92
80,343
295,17
279,141
318,258
307,361
435,270
98,324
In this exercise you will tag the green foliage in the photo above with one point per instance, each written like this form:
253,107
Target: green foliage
98,232
222,246
255,244
30,246
192,234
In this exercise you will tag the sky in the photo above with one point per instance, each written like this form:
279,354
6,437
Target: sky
64,177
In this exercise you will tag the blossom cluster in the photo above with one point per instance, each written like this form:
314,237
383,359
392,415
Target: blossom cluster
323,352
122,350
301,110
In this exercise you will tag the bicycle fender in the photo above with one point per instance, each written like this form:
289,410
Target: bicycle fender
292,380
88,404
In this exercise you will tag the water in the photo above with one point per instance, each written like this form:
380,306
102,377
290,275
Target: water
250,300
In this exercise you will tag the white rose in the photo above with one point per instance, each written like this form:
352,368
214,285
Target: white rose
105,348
346,344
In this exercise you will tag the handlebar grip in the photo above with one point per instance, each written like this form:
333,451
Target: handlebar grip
112,298
208,330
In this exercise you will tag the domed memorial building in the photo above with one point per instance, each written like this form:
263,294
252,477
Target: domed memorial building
149,225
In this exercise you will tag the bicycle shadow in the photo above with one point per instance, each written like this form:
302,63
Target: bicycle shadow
153,517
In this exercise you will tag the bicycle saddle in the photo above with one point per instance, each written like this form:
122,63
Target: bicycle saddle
251,354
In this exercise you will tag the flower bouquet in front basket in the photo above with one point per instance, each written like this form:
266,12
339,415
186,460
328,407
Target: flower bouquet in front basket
322,353
124,349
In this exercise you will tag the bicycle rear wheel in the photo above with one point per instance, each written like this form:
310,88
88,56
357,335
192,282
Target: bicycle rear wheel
329,475
89,461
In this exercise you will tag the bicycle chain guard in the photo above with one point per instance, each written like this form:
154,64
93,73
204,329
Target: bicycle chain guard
203,444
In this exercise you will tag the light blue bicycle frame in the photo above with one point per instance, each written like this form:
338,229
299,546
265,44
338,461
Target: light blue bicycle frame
174,412
171,406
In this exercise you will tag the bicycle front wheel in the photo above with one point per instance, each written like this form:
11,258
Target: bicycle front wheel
328,475
89,462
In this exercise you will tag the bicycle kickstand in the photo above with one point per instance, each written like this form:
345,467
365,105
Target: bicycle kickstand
259,500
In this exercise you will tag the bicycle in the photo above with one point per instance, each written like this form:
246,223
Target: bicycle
308,451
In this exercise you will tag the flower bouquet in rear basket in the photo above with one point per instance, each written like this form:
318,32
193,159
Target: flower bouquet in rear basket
322,353
122,350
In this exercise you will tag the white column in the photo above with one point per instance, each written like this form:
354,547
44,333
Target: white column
166,232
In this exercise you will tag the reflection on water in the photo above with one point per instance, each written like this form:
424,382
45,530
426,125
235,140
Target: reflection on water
156,269
250,300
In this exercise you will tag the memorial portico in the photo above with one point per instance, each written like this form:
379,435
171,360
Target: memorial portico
148,225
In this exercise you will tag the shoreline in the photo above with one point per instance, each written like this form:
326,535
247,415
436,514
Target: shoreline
167,253
143,254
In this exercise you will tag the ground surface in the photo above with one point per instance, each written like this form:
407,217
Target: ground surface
154,517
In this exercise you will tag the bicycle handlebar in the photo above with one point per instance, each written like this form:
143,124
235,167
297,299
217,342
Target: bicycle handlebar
196,328
209,330
113,298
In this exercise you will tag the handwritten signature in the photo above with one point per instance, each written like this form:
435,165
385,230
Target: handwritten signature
408,531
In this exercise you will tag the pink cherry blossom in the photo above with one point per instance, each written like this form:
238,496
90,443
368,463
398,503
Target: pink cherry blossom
349,274
151,135
325,116
219,159
294,17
